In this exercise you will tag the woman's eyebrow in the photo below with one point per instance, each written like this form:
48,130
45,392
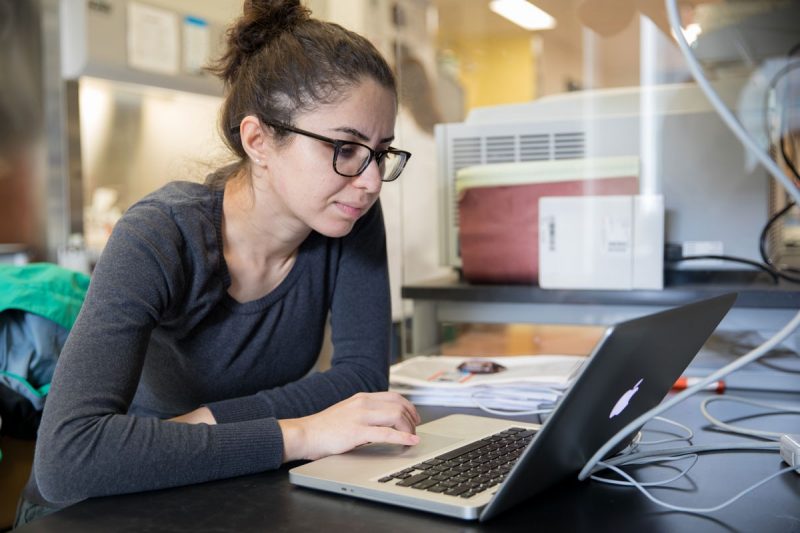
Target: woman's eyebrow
355,133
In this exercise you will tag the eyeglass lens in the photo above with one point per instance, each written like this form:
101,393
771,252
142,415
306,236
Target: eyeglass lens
354,158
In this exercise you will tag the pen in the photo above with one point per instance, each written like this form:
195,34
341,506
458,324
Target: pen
686,382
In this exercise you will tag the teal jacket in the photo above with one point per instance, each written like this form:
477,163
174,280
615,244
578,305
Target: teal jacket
44,289
38,306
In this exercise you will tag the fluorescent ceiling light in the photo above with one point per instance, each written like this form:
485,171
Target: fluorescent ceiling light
691,32
523,13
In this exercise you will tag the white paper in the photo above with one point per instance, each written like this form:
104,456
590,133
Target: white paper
426,371
196,44
153,43
520,397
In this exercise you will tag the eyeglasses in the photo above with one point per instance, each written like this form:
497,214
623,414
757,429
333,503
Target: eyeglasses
350,158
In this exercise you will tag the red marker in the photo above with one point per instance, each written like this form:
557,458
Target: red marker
686,382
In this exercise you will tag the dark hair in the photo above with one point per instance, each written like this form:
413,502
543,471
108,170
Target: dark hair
280,61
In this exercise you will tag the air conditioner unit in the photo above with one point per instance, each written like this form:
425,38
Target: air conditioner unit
713,196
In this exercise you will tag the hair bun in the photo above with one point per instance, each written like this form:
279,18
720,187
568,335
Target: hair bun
264,20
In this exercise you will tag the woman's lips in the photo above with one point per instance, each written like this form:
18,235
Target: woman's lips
351,211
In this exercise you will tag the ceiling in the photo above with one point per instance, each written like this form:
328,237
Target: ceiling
473,18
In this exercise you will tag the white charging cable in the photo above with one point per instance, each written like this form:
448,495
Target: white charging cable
775,409
690,452
700,385
722,505
528,404
654,460
689,433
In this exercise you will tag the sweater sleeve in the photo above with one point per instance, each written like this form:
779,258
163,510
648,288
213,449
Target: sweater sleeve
361,329
88,445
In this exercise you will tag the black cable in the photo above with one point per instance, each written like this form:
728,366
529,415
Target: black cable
761,266
786,158
762,245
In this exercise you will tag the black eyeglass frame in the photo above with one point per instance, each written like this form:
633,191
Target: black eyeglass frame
337,144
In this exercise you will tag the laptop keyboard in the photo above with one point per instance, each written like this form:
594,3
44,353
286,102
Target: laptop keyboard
468,470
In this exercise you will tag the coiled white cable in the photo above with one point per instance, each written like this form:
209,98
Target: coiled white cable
640,487
749,357
654,460
775,409
688,430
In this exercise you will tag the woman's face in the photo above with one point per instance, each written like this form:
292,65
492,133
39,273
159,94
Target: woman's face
302,173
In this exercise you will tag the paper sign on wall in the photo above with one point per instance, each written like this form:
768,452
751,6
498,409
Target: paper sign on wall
153,39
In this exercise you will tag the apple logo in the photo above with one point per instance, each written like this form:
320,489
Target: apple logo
622,403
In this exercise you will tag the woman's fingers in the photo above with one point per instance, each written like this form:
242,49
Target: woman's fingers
383,434
382,417
383,409
393,397
390,417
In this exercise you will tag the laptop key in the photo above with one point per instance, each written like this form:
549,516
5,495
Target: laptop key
455,491
413,480
423,485
461,451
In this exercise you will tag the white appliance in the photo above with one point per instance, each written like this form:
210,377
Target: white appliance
601,242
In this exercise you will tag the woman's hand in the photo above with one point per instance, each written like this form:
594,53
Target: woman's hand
365,417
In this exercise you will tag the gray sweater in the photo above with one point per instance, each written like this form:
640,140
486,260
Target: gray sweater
159,336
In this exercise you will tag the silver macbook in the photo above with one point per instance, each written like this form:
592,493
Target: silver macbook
474,467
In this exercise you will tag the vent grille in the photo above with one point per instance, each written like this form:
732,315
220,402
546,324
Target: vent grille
500,149
466,152
569,145
534,147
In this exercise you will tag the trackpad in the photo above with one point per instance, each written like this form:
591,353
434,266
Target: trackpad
428,443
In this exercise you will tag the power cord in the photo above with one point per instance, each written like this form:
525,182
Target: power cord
776,409
674,254
762,245
691,452
745,359
688,437
788,161
528,405
655,460
641,488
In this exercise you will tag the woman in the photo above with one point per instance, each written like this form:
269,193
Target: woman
208,305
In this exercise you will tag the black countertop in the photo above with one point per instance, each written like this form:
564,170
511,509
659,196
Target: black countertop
268,502
752,295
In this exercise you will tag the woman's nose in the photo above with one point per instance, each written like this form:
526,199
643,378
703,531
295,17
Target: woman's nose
370,179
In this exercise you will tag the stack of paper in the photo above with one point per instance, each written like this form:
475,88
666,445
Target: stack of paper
524,383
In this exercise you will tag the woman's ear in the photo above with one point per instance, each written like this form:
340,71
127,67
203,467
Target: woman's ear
255,141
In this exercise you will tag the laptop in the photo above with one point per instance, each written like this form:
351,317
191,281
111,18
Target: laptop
474,467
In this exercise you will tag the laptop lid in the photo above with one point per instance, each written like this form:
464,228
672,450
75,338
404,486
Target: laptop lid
630,371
